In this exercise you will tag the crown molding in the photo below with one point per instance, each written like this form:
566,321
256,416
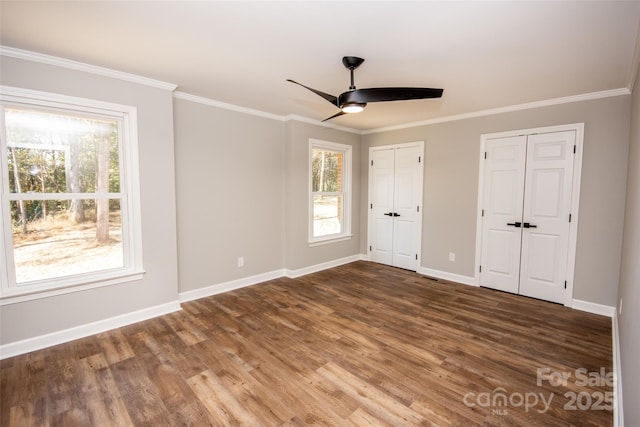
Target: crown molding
509,109
219,104
490,112
107,72
232,107
323,124
81,66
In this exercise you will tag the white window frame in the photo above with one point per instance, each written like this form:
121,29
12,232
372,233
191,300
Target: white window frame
129,196
346,185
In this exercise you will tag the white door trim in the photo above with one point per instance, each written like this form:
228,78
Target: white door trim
419,144
575,197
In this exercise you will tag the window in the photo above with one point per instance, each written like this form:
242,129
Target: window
70,211
330,201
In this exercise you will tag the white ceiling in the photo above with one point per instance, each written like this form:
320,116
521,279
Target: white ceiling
484,54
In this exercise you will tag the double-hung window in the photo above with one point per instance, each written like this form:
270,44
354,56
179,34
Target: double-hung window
70,208
330,191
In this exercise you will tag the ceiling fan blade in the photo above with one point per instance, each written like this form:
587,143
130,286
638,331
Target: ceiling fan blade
332,99
339,113
381,94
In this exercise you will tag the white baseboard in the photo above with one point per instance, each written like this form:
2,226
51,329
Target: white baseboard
229,286
25,346
322,266
618,413
592,307
606,310
37,343
445,275
264,277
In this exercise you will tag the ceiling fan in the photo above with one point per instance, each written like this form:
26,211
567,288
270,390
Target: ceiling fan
354,100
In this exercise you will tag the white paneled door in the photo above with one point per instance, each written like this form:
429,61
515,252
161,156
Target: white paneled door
395,195
527,202
504,172
381,179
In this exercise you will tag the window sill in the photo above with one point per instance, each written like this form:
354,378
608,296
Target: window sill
326,241
28,293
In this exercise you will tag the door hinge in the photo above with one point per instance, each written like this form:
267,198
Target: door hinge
574,149
370,249
417,208
419,159
565,284
482,212
416,257
371,205
480,269
485,155
371,162
569,217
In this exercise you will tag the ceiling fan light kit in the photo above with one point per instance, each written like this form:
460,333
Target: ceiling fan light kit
355,100
353,107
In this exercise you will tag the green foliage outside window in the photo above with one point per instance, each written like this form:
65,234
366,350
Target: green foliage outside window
326,171
53,153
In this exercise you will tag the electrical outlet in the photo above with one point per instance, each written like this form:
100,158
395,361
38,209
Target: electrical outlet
452,256
240,261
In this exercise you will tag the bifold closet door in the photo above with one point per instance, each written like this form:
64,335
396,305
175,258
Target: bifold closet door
395,197
527,201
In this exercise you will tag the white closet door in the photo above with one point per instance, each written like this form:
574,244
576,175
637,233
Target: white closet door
547,204
406,215
395,196
504,176
381,198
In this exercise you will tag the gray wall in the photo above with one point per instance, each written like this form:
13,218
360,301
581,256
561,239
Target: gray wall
230,194
241,184
155,137
298,252
629,320
451,187
242,191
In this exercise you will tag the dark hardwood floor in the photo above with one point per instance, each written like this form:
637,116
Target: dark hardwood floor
361,344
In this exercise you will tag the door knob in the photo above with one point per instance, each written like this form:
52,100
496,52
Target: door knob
515,224
388,214
527,225
396,214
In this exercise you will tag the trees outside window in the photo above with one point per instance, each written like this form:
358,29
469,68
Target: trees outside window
68,189
330,178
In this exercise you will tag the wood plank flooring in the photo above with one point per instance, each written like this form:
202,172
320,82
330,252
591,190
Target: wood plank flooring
357,345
